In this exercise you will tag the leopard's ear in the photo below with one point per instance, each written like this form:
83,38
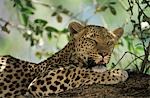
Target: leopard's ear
118,33
74,28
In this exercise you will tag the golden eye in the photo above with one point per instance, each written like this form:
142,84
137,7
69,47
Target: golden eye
93,41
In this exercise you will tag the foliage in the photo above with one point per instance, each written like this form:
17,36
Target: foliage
109,5
142,32
34,29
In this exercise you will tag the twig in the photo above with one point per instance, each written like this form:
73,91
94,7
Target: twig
142,10
133,61
131,6
139,17
146,49
20,27
138,57
145,61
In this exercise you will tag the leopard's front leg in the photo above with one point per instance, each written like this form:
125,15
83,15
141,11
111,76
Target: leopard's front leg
108,77
63,79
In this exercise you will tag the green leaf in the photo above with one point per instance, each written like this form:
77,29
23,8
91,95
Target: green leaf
51,29
49,34
29,4
38,54
112,10
129,42
65,11
112,2
24,19
59,7
18,3
54,14
140,48
26,11
59,18
65,30
103,8
41,22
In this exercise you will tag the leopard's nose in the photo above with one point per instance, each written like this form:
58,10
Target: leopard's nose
103,54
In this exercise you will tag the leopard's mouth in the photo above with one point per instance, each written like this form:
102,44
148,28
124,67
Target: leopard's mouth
91,63
101,63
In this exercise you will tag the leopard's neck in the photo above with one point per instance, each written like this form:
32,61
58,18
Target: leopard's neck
65,57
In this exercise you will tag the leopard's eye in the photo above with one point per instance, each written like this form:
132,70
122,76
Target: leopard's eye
109,43
93,41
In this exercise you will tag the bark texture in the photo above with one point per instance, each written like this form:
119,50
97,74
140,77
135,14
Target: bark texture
137,86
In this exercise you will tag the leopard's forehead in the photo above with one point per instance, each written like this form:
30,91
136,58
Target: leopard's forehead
97,31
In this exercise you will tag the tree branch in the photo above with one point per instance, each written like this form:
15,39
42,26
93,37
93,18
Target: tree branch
137,85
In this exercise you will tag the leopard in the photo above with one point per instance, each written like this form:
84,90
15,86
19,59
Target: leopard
92,47
81,62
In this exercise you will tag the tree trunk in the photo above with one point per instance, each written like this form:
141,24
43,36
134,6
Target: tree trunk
137,85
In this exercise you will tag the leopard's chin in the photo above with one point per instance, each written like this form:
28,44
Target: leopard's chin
99,69
102,65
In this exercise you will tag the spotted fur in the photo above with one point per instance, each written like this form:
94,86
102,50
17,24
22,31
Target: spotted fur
15,76
63,79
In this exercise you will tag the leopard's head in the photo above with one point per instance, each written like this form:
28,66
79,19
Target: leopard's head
93,44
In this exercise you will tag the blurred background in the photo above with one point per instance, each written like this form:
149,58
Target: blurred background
33,30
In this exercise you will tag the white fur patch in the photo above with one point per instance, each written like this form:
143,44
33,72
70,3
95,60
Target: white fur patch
99,69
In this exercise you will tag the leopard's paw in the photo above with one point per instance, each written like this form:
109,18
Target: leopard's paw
121,74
